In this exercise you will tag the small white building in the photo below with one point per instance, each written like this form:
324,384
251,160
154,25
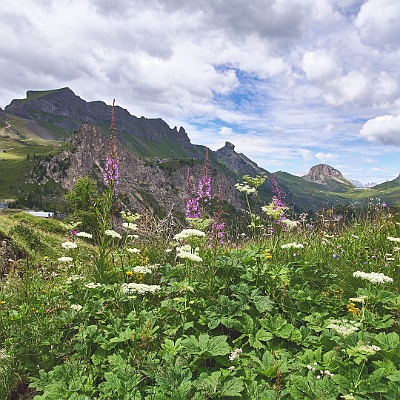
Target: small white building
43,214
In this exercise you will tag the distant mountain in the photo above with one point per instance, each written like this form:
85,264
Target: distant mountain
360,185
329,177
52,137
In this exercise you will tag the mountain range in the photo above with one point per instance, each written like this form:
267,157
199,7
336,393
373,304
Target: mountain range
50,138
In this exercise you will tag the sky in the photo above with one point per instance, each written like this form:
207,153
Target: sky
291,83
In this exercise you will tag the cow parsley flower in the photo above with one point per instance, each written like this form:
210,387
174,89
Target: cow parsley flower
76,307
93,285
344,327
130,225
394,239
293,245
373,277
141,288
142,269
368,349
112,233
84,234
244,188
65,259
69,245
187,252
187,233
134,250
73,278
288,223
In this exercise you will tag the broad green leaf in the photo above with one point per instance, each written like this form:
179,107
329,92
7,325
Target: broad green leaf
232,388
395,377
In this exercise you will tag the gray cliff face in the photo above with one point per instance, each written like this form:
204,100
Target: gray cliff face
143,183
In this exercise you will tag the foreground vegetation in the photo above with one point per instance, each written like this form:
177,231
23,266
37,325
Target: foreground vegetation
148,311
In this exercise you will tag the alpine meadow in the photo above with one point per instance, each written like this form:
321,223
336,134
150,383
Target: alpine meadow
261,302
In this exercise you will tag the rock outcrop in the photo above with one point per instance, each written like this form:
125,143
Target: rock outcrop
326,175
161,186
238,162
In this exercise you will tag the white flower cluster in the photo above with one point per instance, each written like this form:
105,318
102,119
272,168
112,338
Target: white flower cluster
373,277
235,354
84,234
93,285
293,245
344,327
321,372
130,225
187,233
134,250
73,278
69,245
368,349
140,288
65,259
3,354
187,252
244,188
289,224
76,307
142,269
360,299
394,239
112,233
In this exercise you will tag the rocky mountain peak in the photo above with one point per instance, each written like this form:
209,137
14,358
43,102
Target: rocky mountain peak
238,162
326,175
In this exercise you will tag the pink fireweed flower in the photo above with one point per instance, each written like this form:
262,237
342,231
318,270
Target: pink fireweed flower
111,175
217,232
192,208
204,188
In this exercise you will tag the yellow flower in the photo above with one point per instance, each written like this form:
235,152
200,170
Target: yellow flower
45,258
267,255
351,308
129,273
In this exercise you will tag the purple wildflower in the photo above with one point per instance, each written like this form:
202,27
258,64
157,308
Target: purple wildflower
204,188
217,231
111,176
192,208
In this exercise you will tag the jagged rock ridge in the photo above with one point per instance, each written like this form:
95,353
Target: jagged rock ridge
64,109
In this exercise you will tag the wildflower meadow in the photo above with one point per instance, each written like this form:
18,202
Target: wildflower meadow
119,305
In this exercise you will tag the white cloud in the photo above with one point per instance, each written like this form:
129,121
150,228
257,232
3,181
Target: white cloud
325,157
384,129
306,154
320,65
362,87
378,23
